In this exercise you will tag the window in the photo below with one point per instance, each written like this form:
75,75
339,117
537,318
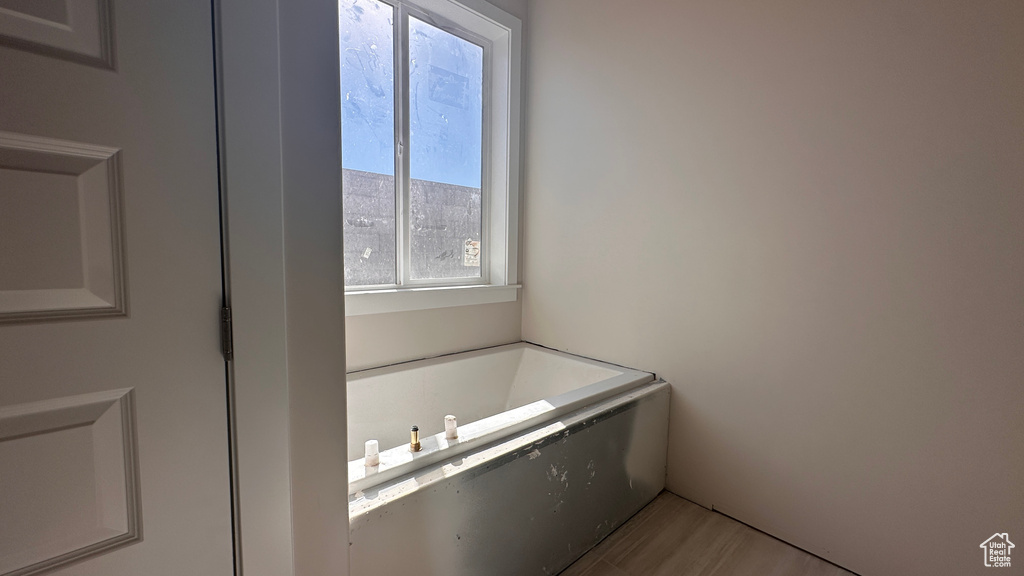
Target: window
429,107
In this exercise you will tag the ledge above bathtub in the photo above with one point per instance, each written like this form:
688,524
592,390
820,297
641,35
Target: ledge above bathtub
362,302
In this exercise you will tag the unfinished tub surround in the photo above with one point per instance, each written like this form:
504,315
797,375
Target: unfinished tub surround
558,451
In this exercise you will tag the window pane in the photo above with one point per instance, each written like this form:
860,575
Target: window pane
445,152
368,141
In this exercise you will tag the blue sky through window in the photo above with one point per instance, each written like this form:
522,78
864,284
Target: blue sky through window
445,97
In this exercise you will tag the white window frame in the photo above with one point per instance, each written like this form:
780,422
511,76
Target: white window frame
479,22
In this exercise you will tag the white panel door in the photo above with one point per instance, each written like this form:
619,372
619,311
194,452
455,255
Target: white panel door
113,417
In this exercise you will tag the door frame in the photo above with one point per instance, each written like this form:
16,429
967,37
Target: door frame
280,169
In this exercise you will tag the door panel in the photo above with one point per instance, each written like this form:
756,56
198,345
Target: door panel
70,485
61,236
78,30
113,418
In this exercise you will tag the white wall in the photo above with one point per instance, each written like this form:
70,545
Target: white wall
809,218
311,147
382,339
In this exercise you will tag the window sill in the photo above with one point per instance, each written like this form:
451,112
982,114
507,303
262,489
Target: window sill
426,298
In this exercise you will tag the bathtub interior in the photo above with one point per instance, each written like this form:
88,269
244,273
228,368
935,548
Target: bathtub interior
383,403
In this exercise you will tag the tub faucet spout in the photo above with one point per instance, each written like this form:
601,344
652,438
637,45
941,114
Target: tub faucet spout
414,439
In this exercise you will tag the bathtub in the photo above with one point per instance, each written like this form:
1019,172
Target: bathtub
554,451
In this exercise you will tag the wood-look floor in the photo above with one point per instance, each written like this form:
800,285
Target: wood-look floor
675,537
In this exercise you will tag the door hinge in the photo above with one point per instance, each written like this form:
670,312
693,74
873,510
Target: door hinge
226,339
